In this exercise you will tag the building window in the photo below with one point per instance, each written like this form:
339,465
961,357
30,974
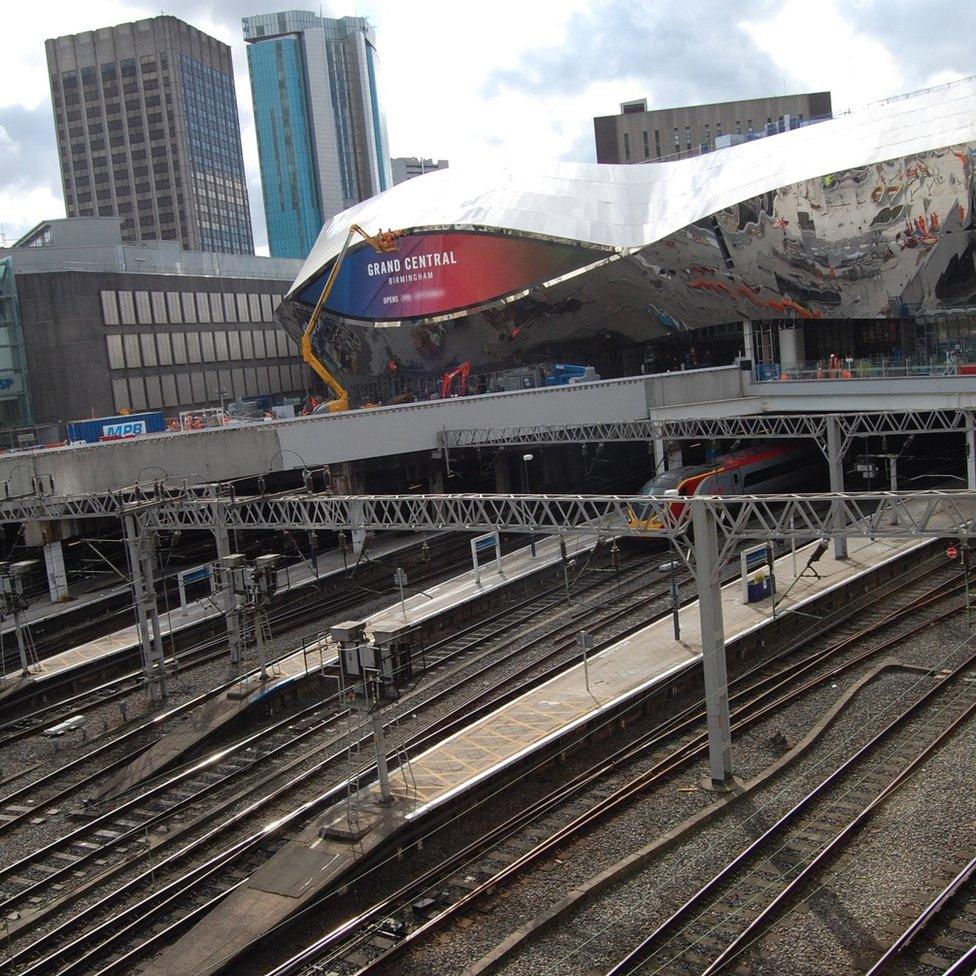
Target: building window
657,143
687,137
677,141
627,147
738,127
647,146
749,124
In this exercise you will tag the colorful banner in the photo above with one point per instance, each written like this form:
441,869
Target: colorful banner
437,273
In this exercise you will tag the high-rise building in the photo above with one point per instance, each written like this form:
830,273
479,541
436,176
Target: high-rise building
147,127
321,134
637,135
407,167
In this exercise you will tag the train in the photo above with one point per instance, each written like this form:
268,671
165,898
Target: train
756,470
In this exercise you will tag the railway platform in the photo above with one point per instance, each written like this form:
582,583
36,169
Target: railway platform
44,609
519,732
312,658
126,640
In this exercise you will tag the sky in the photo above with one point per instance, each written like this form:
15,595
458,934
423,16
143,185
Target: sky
479,82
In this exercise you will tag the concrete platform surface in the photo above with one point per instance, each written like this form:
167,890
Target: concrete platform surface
126,639
467,586
309,863
314,655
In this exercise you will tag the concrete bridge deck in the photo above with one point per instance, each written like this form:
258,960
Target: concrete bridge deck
246,450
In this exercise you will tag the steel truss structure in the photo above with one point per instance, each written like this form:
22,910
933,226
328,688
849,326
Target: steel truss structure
764,426
878,514
704,528
48,506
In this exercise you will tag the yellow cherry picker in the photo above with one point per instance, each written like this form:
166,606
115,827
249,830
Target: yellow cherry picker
384,242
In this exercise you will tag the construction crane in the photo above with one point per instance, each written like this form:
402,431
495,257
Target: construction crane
460,374
384,242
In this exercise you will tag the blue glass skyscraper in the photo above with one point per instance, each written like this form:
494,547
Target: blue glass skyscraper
321,133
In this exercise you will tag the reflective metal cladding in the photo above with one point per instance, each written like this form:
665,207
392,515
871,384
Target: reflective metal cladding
857,217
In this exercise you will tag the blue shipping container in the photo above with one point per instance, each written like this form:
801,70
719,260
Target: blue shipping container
109,428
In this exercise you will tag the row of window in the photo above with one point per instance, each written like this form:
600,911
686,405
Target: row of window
177,308
136,351
706,137
204,387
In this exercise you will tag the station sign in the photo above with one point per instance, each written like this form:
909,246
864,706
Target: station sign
436,273
490,542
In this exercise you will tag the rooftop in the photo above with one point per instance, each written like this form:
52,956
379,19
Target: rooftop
95,244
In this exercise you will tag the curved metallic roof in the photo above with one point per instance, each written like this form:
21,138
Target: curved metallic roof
630,206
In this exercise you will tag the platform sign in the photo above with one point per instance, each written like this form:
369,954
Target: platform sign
481,544
189,578
751,561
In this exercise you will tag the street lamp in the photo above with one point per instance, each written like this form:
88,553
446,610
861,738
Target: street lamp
666,513
525,484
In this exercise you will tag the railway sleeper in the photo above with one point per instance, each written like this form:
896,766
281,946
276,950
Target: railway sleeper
939,963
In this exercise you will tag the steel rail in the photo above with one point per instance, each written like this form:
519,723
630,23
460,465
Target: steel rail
923,920
640,953
283,615
747,714
767,915
221,755
480,703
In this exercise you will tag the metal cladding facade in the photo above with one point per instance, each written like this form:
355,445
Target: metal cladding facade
857,217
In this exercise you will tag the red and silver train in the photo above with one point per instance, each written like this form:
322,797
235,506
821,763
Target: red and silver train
757,470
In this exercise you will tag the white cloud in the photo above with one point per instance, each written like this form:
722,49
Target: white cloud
819,47
22,209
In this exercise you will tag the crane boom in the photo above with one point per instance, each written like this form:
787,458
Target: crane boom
382,242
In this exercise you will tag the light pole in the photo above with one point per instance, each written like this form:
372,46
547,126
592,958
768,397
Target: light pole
675,619
222,394
525,487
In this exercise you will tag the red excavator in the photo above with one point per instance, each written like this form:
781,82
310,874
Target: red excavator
459,373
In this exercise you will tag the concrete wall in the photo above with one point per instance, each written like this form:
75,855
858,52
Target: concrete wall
85,361
898,393
695,386
219,454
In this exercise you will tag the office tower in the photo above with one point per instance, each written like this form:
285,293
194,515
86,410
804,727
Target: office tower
321,134
407,167
147,127
637,135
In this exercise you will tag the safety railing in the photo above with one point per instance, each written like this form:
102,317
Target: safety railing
857,370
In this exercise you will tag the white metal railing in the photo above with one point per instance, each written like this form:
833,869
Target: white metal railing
858,369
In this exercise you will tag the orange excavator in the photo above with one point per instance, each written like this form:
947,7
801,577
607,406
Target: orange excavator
459,373
384,242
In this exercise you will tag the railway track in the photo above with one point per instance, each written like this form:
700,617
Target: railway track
50,789
81,624
211,649
941,937
396,925
717,924
473,652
